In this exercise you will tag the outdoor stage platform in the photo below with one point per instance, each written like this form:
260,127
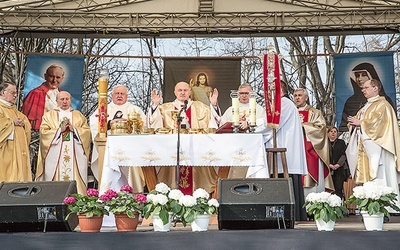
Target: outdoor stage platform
349,233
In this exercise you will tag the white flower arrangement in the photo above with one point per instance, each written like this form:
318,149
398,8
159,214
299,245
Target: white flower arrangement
374,198
162,188
187,201
196,204
175,194
201,193
325,206
162,200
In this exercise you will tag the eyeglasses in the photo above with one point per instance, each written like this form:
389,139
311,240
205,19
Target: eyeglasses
12,92
244,93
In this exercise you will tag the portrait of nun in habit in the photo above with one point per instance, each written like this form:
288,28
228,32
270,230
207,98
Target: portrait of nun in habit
358,76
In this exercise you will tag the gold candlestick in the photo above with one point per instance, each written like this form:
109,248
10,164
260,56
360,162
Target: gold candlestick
103,102
235,110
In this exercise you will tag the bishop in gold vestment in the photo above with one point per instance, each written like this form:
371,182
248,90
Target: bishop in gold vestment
377,134
63,153
15,136
197,116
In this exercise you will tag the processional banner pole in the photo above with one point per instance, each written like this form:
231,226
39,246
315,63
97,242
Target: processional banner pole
272,89
272,97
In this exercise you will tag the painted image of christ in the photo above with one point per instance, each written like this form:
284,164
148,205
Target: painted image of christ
201,88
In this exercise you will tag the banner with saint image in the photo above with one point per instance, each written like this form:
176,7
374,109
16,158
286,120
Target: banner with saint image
351,71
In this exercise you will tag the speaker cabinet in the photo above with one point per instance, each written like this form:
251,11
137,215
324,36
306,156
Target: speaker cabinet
256,203
35,206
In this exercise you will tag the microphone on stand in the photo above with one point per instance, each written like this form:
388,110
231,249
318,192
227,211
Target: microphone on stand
183,109
178,145
185,103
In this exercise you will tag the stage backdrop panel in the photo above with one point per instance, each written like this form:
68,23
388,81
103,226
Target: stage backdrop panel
351,70
222,73
73,78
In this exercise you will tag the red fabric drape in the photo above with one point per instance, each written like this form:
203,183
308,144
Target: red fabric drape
272,103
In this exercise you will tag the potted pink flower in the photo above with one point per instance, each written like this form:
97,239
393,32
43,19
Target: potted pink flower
88,204
126,207
89,208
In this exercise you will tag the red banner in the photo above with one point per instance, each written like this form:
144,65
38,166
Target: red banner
272,89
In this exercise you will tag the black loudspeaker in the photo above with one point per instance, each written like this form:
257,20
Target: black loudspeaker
35,206
255,203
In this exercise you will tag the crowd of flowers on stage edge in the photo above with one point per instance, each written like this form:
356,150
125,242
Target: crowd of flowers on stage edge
162,200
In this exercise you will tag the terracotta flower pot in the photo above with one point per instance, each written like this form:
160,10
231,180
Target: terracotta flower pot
90,224
126,224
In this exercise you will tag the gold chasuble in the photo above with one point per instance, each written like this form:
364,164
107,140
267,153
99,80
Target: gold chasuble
384,132
14,146
64,156
316,135
198,117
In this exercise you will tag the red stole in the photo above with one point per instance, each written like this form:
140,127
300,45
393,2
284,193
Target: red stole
186,172
312,157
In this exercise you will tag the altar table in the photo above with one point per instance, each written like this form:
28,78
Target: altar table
197,150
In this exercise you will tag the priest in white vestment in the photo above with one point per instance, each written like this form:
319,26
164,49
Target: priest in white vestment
64,145
289,135
118,110
375,136
244,92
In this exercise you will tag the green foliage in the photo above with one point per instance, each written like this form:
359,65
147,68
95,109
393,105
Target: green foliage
89,205
164,211
125,203
188,214
374,206
325,212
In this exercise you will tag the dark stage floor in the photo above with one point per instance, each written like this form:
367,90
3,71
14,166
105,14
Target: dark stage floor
349,234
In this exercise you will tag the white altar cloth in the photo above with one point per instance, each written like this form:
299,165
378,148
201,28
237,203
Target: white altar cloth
195,150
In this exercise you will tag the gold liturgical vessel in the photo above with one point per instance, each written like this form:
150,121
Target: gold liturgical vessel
134,123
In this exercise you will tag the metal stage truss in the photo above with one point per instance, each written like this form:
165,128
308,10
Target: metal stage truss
203,18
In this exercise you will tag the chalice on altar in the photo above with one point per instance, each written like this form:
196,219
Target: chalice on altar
135,123
175,115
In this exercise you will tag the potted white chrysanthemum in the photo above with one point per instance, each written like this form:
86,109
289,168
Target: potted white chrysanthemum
374,200
197,209
162,203
326,208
